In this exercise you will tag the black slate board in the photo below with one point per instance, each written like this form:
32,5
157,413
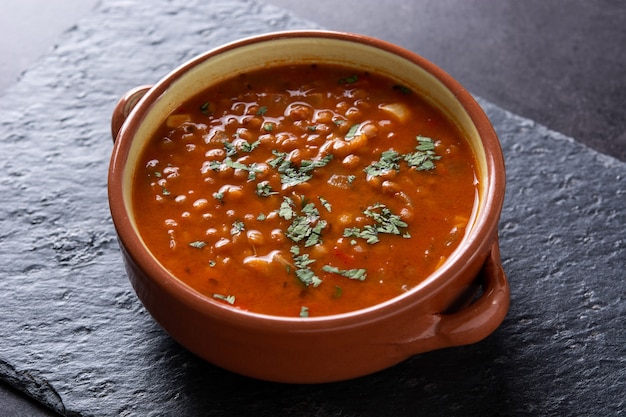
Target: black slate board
75,337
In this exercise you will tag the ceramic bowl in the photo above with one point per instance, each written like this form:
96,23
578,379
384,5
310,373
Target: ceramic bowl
445,310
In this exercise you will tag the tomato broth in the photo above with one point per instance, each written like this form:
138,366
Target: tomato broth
304,190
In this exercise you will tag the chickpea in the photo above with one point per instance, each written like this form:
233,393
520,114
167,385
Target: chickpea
340,148
232,192
369,130
222,245
357,142
199,203
374,182
255,238
353,113
277,236
322,129
324,117
267,139
225,172
253,123
171,172
351,161
241,174
287,141
342,106
296,156
390,187
319,250
262,170
299,111
315,140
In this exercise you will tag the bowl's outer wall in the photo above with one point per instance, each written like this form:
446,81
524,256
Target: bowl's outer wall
323,353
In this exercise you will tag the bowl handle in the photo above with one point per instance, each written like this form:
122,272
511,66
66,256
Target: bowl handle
124,106
483,316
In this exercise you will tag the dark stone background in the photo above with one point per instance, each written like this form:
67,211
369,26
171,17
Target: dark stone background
75,338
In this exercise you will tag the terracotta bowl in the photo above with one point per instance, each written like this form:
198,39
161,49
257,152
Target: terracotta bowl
444,310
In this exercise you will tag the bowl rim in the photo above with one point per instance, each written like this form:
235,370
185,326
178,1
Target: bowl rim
476,243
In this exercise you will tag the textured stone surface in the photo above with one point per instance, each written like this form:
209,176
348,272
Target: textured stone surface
75,337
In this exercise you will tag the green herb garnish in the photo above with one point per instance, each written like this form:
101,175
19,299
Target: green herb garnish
237,227
386,223
424,155
205,108
264,189
230,149
326,204
305,226
249,147
286,210
230,299
349,80
290,174
219,196
352,131
338,292
303,272
198,244
304,311
389,161
402,89
357,273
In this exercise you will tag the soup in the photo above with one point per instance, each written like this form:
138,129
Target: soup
304,190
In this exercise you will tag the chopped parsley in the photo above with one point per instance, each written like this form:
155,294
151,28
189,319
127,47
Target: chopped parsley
402,89
357,273
237,227
305,226
424,155
230,299
264,189
326,204
249,147
205,108
349,80
198,244
230,149
219,196
290,174
252,169
303,272
352,131
385,223
389,161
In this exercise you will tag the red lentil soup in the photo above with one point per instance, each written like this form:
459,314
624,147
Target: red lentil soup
305,190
